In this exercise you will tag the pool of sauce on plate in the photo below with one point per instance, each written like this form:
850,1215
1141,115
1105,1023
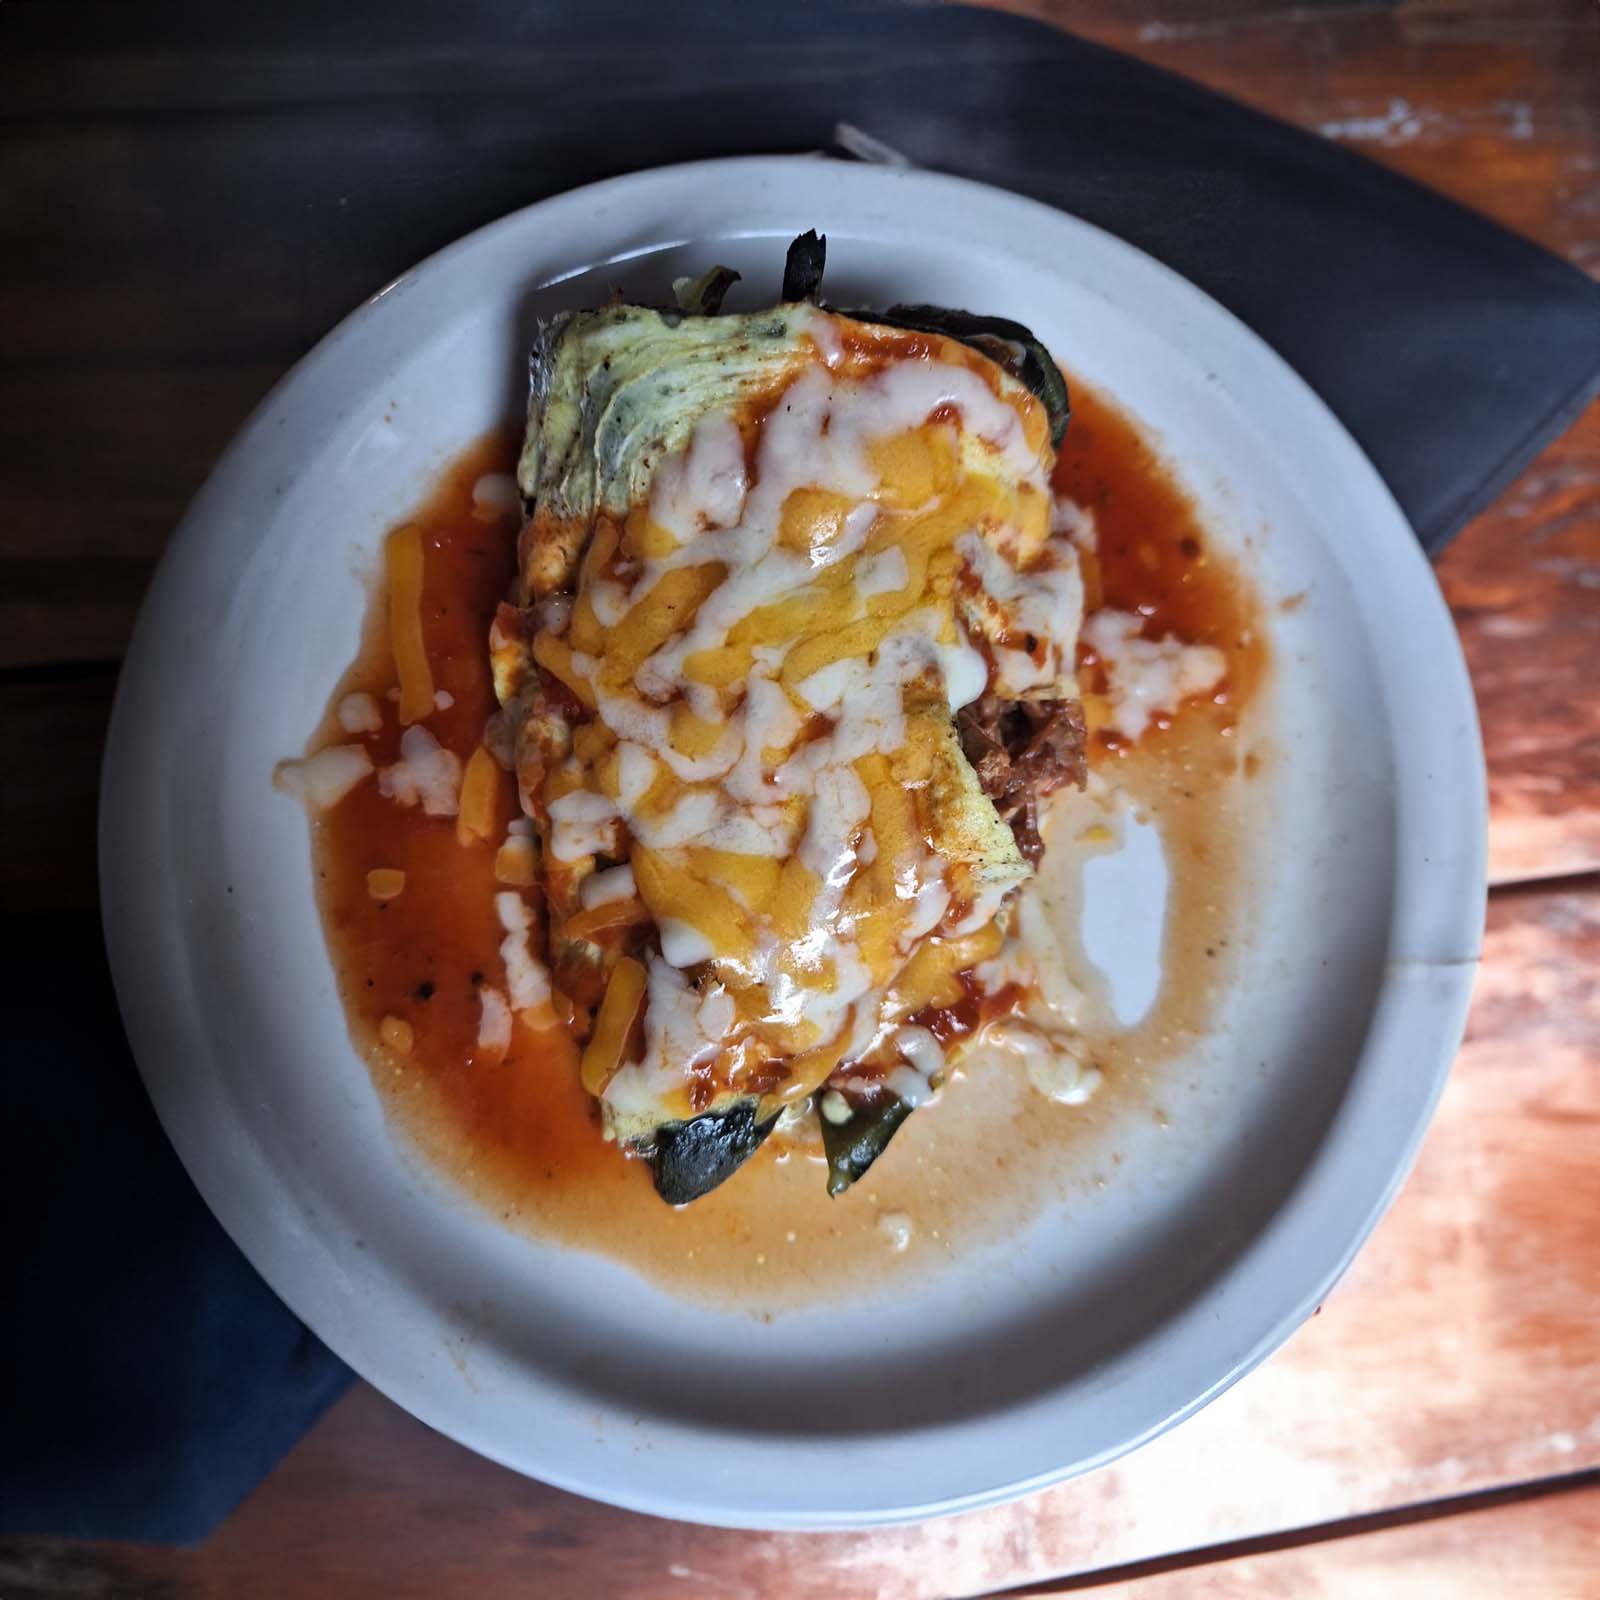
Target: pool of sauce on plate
522,1138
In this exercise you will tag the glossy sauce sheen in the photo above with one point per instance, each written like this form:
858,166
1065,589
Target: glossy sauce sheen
522,1137
1153,557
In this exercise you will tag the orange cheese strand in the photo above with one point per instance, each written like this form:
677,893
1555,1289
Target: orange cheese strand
515,863
479,791
619,1011
403,554
599,919
555,656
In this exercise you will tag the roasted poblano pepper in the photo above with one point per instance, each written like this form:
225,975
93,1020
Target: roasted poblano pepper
853,1145
689,1159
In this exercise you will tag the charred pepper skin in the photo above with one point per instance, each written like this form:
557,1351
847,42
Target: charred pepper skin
689,1159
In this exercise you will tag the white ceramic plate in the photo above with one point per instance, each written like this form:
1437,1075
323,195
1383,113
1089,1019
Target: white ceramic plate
1291,1128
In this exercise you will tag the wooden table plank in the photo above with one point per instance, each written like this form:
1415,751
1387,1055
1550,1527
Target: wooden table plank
1461,1353
88,510
1489,101
1546,1547
53,727
1524,584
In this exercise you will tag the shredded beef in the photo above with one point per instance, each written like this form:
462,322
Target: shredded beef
1023,751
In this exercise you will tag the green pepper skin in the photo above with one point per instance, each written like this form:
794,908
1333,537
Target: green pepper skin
703,296
802,267
689,1159
851,1147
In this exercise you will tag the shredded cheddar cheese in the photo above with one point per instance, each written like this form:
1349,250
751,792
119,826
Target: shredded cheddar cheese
480,788
515,862
755,668
403,554
618,1013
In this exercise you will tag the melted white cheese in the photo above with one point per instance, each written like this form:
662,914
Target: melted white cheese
584,823
1075,521
715,510
636,772
683,946
494,1021
605,888
1052,1058
897,1228
1147,676
495,495
425,772
682,1028
705,486
883,573
323,780
360,713
1044,603
527,982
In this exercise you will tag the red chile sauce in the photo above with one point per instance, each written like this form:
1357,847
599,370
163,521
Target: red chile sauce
521,1134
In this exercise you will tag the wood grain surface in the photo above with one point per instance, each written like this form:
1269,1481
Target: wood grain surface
1540,1546
54,724
1461,1353
1524,584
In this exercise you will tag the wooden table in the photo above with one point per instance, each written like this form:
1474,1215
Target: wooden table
1436,1429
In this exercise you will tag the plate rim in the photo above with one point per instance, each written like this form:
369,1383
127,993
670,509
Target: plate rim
1444,996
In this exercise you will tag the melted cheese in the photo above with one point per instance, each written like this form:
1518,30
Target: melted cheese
323,780
1148,676
360,713
608,887
494,1022
426,773
771,644
527,982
